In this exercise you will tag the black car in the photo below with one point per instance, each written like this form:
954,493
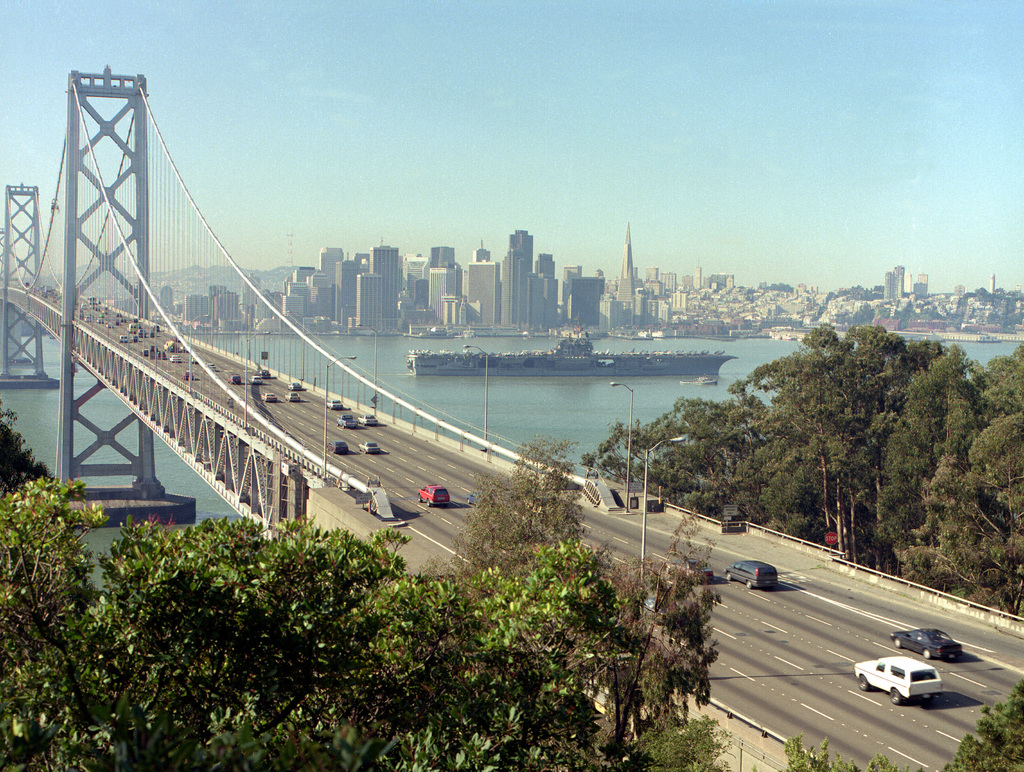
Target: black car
932,643
337,446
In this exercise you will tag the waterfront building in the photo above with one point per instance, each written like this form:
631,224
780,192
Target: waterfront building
442,285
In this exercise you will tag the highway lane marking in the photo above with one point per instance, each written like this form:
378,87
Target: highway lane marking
780,659
909,758
421,533
968,680
720,631
819,620
618,539
880,645
954,739
761,598
837,654
773,626
439,517
858,694
737,672
823,715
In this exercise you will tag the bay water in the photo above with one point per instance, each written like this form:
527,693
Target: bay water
580,410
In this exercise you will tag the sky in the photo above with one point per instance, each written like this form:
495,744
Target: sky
797,142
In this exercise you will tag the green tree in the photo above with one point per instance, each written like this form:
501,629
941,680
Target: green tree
17,464
999,744
217,643
516,513
696,746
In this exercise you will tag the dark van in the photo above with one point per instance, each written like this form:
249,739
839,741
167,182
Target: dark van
753,572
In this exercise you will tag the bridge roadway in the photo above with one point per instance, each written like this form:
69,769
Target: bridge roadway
786,655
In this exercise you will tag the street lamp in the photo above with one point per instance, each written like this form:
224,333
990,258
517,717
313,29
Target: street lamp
327,398
487,358
643,533
629,439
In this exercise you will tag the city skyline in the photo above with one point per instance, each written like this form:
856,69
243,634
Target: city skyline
794,142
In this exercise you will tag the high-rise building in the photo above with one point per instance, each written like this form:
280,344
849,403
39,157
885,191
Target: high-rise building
992,283
669,281
167,298
481,255
698,278
329,259
483,290
346,276
893,289
515,273
387,263
442,257
545,266
582,300
921,286
627,277
442,285
370,301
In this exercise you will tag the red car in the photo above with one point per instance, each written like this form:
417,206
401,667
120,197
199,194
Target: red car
434,496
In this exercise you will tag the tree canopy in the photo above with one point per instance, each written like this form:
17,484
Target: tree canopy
908,451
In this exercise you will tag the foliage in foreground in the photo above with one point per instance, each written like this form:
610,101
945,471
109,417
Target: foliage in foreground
215,647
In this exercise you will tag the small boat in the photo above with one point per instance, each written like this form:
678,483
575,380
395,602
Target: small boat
701,380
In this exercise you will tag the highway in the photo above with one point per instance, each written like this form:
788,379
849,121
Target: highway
786,655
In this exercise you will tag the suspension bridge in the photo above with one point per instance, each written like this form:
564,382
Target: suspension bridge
122,223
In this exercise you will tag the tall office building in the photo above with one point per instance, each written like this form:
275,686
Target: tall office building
442,257
893,289
167,298
442,285
481,255
515,274
370,301
329,259
346,277
545,266
483,290
387,263
921,285
698,278
627,277
582,301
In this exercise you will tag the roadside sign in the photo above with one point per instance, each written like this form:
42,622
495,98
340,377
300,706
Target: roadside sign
264,356
831,538
730,511
636,486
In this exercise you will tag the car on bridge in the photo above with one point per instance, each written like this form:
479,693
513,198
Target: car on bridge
931,643
902,677
367,420
347,422
293,396
256,381
296,386
236,380
176,359
434,495
370,447
335,404
264,373
337,446
270,397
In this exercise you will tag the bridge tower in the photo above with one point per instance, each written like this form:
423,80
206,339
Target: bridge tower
21,337
106,119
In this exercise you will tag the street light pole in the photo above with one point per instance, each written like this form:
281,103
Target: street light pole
629,440
374,399
487,362
643,532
